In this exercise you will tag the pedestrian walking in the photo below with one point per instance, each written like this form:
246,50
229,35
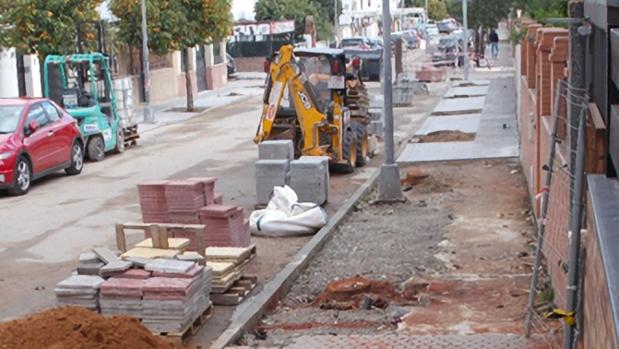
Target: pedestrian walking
494,44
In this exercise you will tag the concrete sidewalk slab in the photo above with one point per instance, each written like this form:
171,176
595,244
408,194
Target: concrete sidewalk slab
444,151
453,106
468,123
466,91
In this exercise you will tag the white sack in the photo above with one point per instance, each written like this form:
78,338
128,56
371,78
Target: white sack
284,216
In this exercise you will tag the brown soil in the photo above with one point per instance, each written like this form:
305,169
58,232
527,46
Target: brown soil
77,328
447,136
350,293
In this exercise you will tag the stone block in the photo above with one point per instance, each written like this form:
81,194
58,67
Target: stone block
276,150
309,178
270,174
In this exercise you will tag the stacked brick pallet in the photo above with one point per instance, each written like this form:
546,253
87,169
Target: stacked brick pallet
194,201
308,176
167,295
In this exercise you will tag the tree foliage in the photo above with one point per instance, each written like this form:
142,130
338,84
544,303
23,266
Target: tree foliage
541,9
164,19
44,27
437,10
484,13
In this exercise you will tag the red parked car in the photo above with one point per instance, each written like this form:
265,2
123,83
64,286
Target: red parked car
37,137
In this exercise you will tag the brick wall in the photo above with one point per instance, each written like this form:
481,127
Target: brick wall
599,329
544,56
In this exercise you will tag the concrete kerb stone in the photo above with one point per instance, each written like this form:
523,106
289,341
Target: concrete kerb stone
249,312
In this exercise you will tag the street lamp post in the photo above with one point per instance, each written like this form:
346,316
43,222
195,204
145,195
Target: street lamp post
465,44
389,178
148,113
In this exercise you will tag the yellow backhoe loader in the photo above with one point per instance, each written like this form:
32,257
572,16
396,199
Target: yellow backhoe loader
311,99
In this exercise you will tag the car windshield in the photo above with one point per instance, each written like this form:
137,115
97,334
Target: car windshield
9,118
352,42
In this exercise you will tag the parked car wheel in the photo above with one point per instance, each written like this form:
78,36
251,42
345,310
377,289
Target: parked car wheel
77,160
22,177
96,149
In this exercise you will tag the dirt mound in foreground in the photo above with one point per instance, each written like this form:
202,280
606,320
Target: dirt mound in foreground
77,328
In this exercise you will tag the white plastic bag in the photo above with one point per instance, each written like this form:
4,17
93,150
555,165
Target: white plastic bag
284,216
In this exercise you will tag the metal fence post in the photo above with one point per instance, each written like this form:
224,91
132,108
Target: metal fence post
575,226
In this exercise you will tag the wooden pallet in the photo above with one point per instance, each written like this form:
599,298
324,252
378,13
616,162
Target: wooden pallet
131,135
237,293
191,329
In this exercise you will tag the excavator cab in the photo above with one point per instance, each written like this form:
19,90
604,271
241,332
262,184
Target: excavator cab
306,101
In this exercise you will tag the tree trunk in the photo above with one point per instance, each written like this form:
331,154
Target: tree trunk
188,80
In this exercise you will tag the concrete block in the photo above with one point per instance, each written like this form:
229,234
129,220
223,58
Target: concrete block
269,174
276,150
375,127
309,177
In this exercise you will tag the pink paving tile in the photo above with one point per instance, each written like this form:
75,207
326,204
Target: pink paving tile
164,284
140,274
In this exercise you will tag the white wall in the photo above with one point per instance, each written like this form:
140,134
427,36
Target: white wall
8,73
33,76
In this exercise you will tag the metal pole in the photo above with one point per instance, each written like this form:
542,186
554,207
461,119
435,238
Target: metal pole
335,21
575,226
426,8
541,223
465,43
148,113
389,180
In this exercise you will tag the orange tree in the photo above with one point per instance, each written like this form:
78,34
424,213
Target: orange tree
174,25
205,22
44,27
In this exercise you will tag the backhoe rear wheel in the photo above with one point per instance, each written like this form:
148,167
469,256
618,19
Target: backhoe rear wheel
362,144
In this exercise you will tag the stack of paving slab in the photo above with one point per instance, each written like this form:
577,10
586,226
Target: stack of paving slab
375,127
309,178
145,249
79,290
429,73
225,226
176,295
272,167
122,294
153,201
228,264
184,199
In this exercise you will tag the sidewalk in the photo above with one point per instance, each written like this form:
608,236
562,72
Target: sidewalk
168,112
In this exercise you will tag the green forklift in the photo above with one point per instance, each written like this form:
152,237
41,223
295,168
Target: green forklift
82,84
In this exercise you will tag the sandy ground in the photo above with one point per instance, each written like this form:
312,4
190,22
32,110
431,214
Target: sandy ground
458,244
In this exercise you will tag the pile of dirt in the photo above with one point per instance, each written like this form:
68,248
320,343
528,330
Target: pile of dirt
447,136
77,328
361,293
